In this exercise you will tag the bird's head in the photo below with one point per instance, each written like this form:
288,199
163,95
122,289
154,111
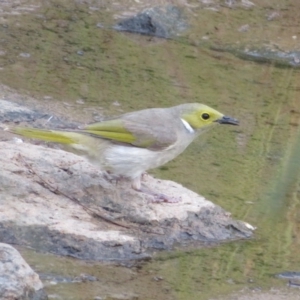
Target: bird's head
200,116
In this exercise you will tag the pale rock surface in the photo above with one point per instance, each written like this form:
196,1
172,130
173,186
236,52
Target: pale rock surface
17,279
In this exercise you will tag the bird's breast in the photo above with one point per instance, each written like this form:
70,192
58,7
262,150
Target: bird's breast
133,161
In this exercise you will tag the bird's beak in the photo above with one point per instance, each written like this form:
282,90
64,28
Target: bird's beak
228,120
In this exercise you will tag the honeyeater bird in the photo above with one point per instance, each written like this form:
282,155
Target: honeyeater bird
129,145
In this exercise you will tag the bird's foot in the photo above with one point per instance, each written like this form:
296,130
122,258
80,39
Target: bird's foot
159,197
109,177
144,176
112,177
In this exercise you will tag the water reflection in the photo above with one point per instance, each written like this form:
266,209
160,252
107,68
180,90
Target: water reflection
264,190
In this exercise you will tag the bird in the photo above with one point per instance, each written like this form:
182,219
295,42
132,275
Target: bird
129,145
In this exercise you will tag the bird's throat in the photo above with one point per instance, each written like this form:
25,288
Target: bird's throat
187,126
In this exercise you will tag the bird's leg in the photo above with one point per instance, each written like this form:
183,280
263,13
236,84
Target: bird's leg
112,178
144,176
136,183
109,177
155,197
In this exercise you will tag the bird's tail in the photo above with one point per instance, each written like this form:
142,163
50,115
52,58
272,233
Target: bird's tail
61,137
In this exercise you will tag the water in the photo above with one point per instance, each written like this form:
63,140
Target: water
84,72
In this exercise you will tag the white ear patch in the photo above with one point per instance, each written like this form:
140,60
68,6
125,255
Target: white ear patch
187,126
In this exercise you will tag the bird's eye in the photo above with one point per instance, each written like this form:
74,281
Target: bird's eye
205,116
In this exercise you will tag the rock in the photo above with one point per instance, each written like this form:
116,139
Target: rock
264,55
288,275
216,5
17,279
273,15
244,28
54,279
126,296
165,22
13,112
58,202
242,3
277,58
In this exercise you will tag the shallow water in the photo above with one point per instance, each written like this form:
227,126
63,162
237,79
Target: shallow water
58,55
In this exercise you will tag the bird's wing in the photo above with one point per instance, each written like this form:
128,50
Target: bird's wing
151,130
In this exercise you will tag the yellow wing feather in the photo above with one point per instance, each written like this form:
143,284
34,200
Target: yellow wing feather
45,135
122,137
